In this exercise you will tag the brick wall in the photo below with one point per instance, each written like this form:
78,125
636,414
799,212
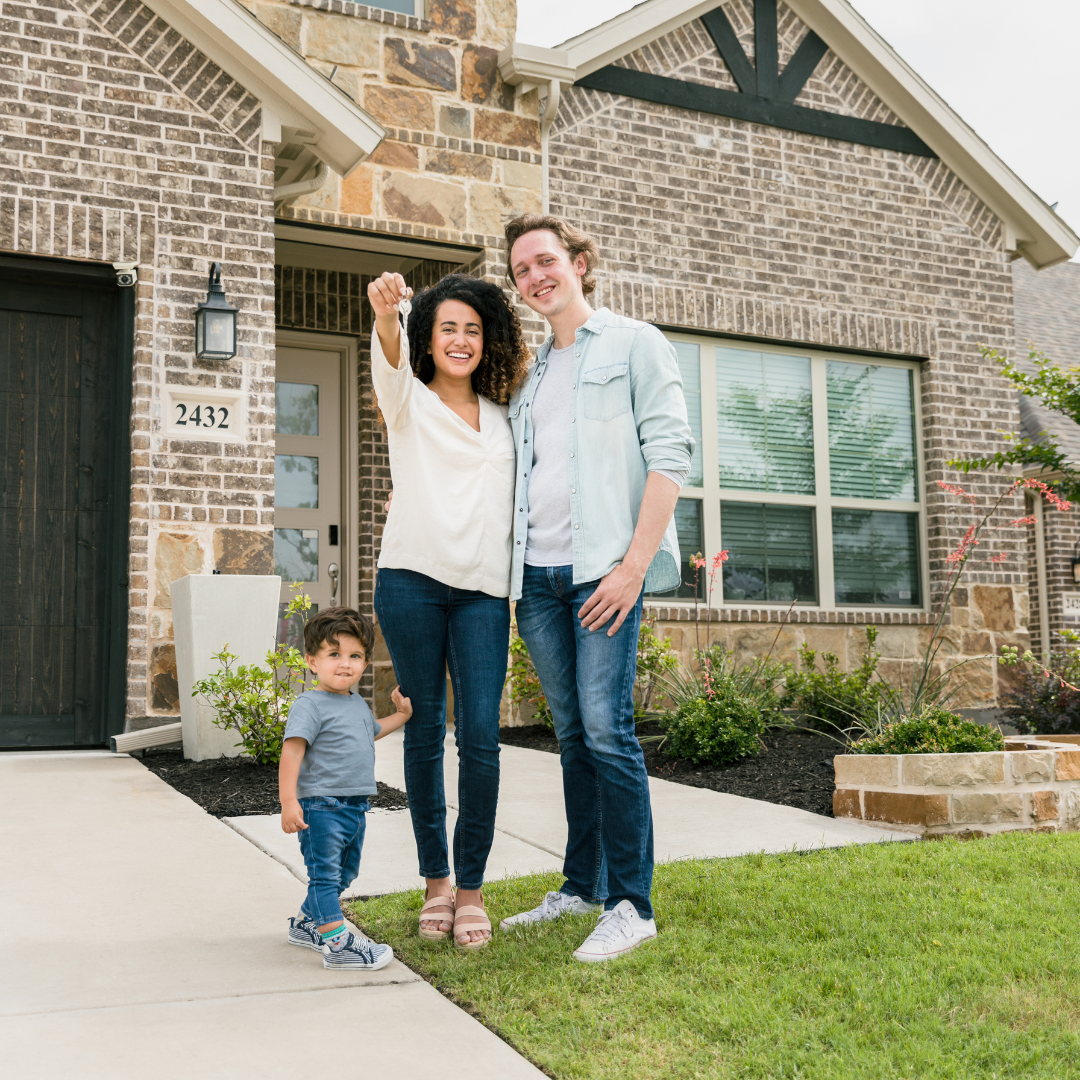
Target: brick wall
724,226
120,141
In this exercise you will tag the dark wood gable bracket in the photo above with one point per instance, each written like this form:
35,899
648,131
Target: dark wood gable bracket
765,95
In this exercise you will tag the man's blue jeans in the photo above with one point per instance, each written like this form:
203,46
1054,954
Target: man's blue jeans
588,680
430,627
331,846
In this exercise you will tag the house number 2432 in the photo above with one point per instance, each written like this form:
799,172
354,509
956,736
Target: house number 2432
203,416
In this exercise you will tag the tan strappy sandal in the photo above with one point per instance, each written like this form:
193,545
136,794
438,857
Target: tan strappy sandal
433,910
478,920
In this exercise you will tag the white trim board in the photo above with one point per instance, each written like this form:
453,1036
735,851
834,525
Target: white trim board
291,91
1032,229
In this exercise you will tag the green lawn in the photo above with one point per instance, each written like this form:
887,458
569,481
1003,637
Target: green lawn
925,960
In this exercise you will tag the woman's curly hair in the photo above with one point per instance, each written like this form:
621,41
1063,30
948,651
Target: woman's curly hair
505,357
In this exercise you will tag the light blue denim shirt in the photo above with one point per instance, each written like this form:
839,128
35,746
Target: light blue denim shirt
627,418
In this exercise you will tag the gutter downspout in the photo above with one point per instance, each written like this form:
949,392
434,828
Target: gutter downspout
289,193
1040,581
551,107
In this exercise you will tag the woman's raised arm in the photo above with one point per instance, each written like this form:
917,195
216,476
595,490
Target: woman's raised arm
385,293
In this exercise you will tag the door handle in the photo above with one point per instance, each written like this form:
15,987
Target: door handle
332,570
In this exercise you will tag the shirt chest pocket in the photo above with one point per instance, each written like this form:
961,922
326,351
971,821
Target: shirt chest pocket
605,391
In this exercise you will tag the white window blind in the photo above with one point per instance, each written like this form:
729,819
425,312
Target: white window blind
871,431
689,354
810,477
764,422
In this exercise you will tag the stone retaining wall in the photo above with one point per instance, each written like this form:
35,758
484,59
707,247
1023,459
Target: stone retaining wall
1024,790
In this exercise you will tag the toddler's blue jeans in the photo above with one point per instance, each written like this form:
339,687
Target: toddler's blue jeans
331,846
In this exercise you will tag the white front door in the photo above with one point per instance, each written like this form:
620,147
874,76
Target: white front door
307,473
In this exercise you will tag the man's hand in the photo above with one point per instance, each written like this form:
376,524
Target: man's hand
616,595
292,817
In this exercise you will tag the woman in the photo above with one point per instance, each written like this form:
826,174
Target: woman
441,594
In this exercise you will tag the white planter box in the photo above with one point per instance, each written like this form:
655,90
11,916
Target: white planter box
1033,785
210,611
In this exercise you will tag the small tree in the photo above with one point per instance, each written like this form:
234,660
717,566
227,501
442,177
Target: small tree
1057,389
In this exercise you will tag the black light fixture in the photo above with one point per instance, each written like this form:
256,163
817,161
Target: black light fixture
1075,563
215,322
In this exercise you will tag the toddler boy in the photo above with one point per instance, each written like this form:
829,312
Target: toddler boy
326,775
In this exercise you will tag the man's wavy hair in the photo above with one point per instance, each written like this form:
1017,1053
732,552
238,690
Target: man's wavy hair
575,240
505,357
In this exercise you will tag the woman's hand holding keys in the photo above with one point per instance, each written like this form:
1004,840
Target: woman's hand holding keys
385,293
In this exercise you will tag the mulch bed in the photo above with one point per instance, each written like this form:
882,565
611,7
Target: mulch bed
236,787
794,769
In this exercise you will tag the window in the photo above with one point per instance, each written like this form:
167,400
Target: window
807,472
406,7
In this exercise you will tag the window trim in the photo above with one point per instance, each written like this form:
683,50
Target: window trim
822,502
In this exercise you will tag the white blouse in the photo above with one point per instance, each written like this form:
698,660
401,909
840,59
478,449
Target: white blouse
453,503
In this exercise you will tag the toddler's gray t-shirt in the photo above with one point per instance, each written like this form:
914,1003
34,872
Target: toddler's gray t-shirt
340,734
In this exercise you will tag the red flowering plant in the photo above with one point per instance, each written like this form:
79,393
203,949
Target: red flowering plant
930,688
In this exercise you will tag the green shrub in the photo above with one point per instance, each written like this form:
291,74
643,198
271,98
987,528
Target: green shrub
717,727
934,731
254,701
833,698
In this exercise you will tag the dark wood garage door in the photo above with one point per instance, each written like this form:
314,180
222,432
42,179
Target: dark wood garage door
62,441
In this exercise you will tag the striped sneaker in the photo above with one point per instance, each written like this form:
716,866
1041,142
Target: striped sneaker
359,954
305,932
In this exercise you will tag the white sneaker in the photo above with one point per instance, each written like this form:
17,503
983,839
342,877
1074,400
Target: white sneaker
554,906
617,931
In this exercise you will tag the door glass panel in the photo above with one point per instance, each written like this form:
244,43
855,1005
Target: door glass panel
297,407
296,556
290,628
296,481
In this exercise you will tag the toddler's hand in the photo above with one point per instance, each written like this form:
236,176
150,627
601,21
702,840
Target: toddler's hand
401,703
292,817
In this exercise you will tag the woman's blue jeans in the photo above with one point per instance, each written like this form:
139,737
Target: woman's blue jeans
429,628
588,680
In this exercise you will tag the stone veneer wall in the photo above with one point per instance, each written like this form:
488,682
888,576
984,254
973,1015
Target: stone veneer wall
122,142
717,225
963,794
461,155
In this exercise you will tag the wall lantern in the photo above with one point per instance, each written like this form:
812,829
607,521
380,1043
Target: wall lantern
1076,563
215,322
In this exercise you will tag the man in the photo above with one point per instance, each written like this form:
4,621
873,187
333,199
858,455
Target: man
603,446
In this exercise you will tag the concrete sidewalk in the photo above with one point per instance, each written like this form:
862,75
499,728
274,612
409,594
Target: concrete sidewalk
143,938
530,827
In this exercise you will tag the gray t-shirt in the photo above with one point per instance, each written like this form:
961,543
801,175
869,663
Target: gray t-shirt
549,541
340,734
